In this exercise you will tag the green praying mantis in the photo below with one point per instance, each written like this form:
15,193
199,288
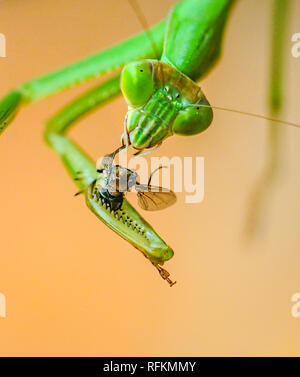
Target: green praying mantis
160,68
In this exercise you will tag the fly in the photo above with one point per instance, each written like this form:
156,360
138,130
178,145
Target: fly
115,181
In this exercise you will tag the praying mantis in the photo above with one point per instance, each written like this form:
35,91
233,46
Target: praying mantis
198,25
187,45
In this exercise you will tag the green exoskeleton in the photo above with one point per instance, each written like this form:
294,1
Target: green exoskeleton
161,102
162,96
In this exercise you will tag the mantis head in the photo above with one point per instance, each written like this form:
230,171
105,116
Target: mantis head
161,101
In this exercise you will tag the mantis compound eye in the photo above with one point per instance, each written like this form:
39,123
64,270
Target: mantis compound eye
136,83
193,119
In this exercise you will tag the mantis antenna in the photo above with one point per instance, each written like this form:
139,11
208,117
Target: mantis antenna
254,115
143,21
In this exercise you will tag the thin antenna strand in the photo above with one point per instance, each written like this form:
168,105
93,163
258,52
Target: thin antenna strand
140,15
253,115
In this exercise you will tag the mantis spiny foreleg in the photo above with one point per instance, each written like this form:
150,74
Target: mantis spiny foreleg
73,158
126,221
137,47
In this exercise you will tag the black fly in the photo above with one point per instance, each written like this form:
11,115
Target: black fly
116,180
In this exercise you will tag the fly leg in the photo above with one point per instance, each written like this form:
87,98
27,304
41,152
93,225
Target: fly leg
164,274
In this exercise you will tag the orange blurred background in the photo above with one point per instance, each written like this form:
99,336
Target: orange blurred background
72,286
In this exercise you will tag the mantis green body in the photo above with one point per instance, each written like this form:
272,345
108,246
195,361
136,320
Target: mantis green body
162,101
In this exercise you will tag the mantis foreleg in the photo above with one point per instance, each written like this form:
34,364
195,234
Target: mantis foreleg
126,221
73,158
137,47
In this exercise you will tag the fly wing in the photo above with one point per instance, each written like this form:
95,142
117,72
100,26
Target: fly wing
154,198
